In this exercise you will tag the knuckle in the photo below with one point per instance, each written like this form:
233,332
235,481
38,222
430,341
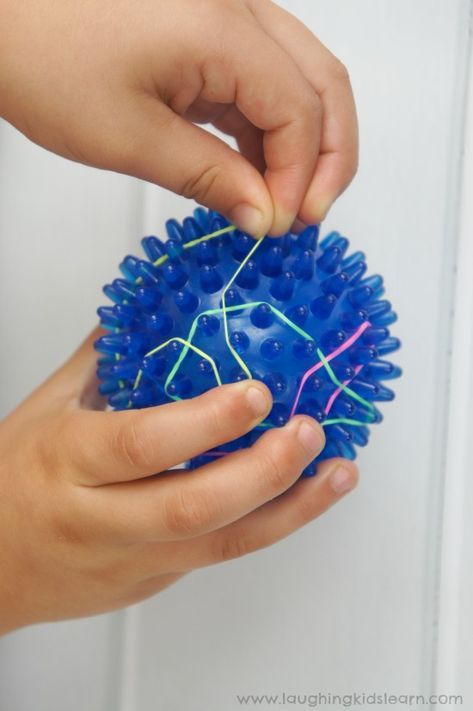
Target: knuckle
187,514
201,184
311,106
276,465
216,416
130,445
231,546
43,453
305,510
340,72
66,531
225,412
316,104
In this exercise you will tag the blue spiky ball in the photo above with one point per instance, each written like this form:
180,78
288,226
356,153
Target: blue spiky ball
210,305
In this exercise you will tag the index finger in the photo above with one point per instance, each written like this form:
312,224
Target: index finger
275,96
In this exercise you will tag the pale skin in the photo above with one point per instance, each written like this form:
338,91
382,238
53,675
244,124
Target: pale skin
90,517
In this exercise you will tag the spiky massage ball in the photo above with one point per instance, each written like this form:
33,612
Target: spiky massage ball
211,305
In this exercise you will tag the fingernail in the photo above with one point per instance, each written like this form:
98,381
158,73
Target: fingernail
257,401
248,218
342,480
310,437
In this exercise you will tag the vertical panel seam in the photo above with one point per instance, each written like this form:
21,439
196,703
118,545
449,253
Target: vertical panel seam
439,521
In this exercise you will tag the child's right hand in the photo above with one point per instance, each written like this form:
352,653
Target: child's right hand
86,524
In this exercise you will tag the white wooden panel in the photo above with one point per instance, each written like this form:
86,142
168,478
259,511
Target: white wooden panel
455,623
63,228
350,602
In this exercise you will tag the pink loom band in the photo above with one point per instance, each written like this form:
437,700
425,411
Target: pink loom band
329,357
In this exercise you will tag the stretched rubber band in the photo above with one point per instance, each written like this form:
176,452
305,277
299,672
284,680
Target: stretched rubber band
345,389
164,258
224,310
339,390
349,342
239,360
188,345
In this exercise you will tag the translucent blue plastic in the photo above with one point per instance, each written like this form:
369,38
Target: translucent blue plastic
307,299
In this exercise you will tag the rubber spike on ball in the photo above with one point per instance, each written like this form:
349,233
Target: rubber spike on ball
210,305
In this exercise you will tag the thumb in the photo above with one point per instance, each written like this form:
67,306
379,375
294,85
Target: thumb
178,155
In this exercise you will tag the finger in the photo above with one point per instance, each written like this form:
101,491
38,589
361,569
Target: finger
338,159
249,138
286,108
180,505
188,160
108,447
229,120
168,150
305,501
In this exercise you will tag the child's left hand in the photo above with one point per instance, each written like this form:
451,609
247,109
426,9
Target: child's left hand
90,518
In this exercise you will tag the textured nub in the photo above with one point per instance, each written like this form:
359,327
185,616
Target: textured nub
299,314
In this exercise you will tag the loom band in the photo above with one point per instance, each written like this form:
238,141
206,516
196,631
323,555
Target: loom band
345,421
325,423
237,357
277,313
225,310
264,426
152,379
348,343
231,309
204,238
188,245
188,342
138,379
174,369
343,387
337,392
251,304
188,345
190,336
212,235
164,258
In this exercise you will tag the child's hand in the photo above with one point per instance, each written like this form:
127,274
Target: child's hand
117,84
86,524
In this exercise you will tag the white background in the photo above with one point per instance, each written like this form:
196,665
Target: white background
375,596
